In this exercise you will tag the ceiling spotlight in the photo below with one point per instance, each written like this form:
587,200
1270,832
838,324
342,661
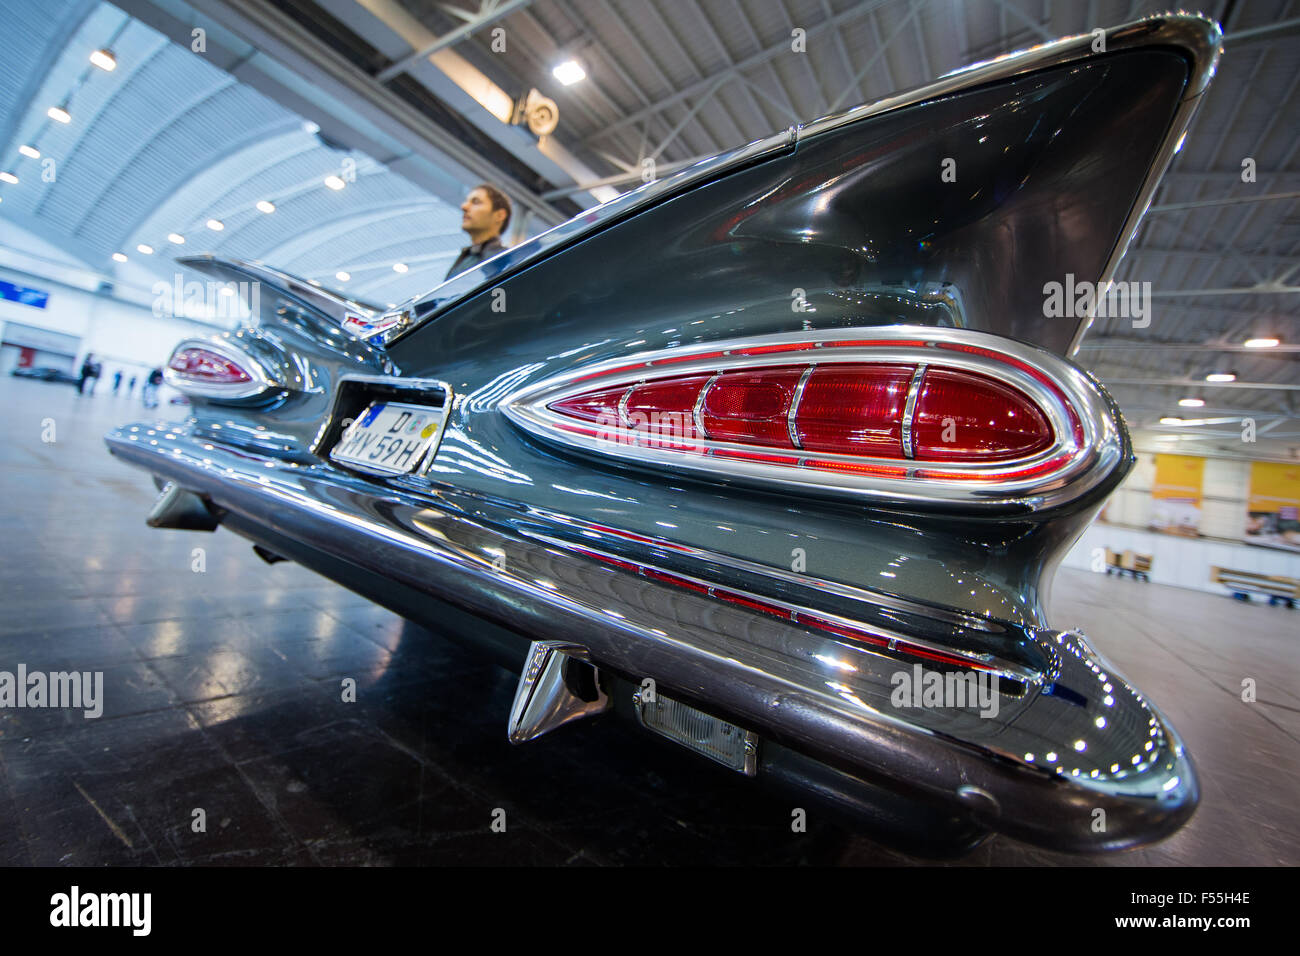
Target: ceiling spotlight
313,282
1170,420
30,151
399,267
1221,377
147,250
342,276
333,182
119,257
59,113
176,237
1192,402
265,206
105,60
8,177
310,128
216,225
1265,343
569,72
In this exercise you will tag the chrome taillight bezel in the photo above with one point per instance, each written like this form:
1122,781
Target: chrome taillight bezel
1089,439
263,380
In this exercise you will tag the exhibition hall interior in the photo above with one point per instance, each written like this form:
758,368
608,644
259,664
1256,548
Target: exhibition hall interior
649,432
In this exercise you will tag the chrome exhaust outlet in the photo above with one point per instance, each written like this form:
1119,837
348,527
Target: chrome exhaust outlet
181,509
559,685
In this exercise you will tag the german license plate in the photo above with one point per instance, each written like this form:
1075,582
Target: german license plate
389,437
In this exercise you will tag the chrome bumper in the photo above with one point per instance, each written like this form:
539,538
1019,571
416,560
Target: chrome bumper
1071,737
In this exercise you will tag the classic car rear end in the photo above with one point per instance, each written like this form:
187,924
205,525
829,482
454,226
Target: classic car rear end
776,456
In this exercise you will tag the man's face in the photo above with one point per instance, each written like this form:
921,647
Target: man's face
477,215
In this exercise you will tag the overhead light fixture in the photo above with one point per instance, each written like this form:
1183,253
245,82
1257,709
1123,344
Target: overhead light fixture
399,267
8,177
59,113
1264,343
264,206
569,72
342,276
216,225
310,128
333,182
105,60
176,237
30,151
1192,402
1170,420
119,257
1221,377
147,250
313,282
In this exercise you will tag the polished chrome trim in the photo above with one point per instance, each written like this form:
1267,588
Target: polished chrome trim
1197,36
543,699
622,405
909,409
813,693
794,406
697,413
1080,466
263,378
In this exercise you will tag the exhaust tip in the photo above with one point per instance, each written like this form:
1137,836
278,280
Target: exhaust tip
182,510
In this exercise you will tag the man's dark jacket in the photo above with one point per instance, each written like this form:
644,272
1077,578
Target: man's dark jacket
471,256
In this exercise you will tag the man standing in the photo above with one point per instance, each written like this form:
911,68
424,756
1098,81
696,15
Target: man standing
485,213
89,370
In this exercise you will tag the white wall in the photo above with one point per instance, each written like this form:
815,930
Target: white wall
1182,562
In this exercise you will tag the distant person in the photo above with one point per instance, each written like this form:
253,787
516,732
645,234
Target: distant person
149,394
485,214
89,372
130,388
117,381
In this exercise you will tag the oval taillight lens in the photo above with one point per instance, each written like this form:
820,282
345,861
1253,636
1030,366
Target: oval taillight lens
205,366
835,408
962,415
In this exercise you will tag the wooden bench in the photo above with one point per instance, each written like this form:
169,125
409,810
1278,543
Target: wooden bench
1129,562
1243,584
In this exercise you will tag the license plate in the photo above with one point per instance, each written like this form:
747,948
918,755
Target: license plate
389,437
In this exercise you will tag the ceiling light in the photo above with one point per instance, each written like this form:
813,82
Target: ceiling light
1170,420
176,237
30,151
569,72
147,250
313,282
8,177
333,182
1192,402
265,206
342,276
119,257
1168,437
1266,343
216,225
399,267
104,59
310,128
59,114
226,290
1221,377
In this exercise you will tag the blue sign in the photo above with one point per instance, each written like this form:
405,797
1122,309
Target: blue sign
17,293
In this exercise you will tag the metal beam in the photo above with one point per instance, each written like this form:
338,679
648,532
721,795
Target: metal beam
1112,344
1197,383
1254,34
485,18
1264,288
880,51
1230,201
762,56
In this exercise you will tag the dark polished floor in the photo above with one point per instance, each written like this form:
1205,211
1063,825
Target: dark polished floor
222,693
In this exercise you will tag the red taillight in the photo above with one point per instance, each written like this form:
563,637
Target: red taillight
836,408
962,415
203,365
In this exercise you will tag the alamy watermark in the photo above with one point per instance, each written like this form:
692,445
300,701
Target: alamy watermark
205,301
957,689
75,689
1114,300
